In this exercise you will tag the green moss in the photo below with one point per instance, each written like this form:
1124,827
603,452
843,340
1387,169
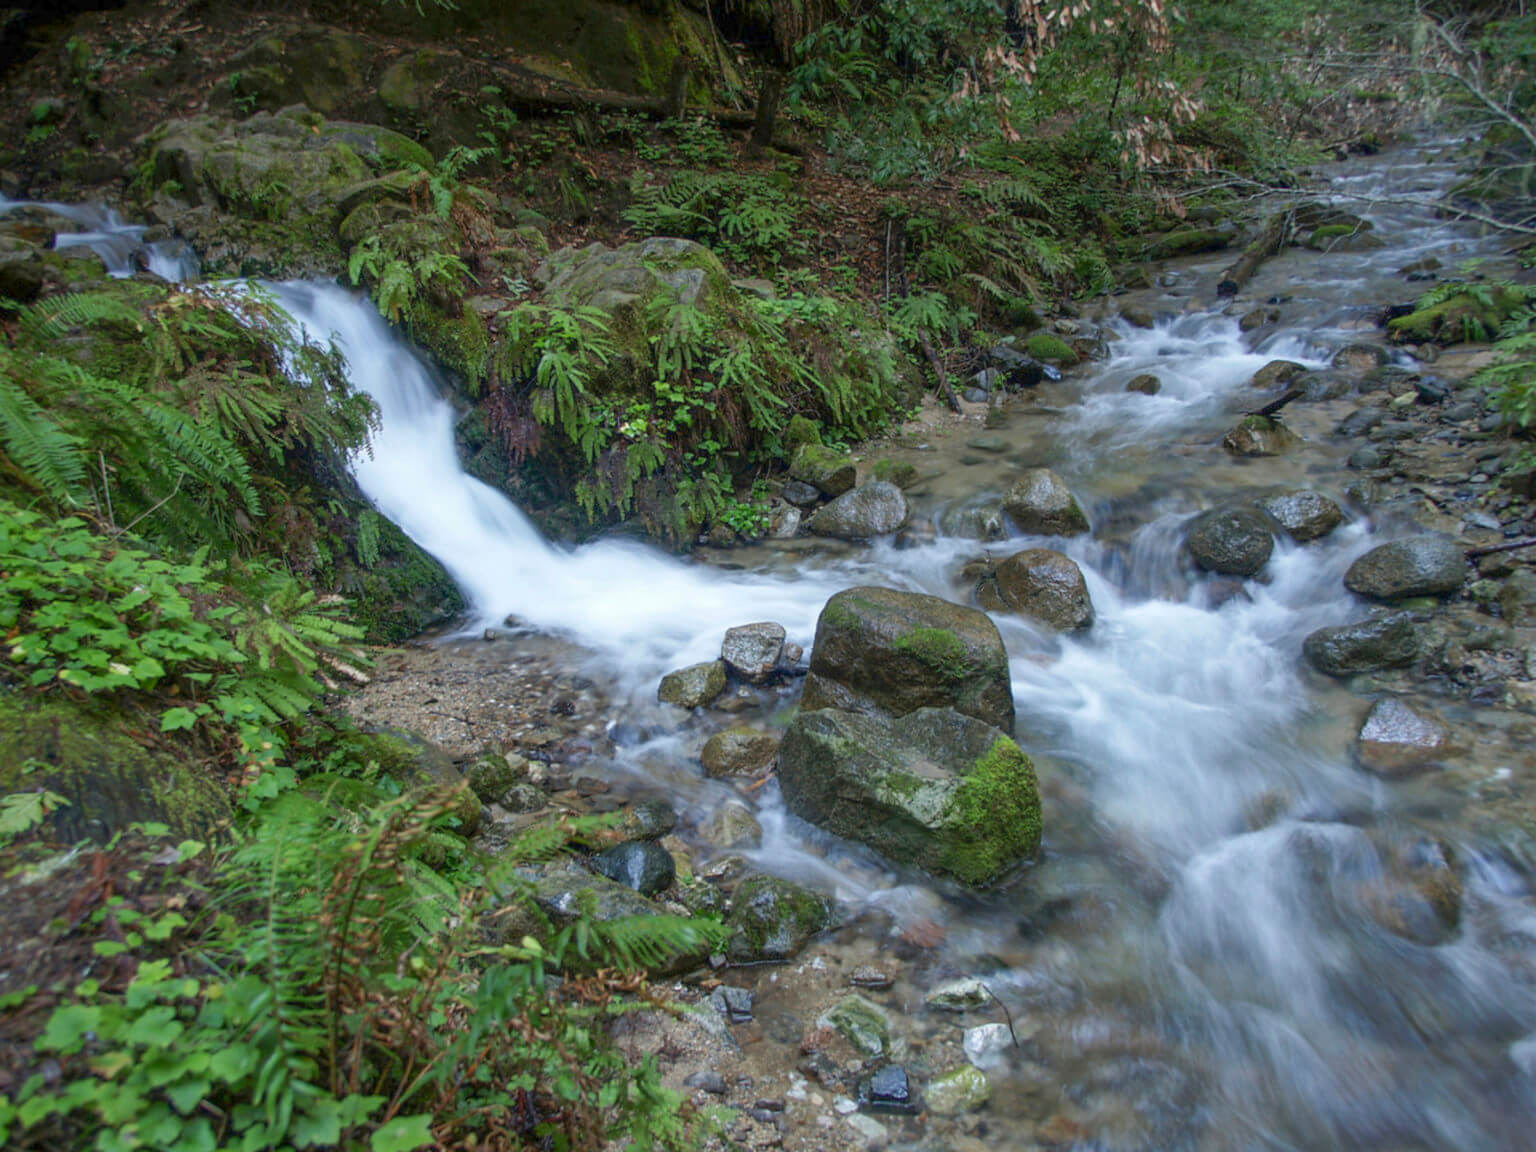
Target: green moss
403,594
459,343
1044,346
1464,318
938,649
995,815
898,472
801,430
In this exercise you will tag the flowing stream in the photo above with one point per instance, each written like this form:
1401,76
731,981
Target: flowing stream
1198,960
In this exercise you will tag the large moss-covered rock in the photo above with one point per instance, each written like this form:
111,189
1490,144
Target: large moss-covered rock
109,779
264,196
311,65
934,788
883,650
830,472
1462,318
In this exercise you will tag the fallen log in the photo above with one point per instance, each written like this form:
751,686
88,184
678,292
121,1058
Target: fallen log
1276,230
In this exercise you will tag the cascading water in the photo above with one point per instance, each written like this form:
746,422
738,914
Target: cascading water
1199,957
120,245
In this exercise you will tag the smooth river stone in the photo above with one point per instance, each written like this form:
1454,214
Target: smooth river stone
1417,566
1396,740
1041,504
1304,515
752,651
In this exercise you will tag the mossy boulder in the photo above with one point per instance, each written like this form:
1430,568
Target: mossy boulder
1187,242
109,778
694,686
893,652
401,593
772,919
319,67
1259,436
1468,317
934,788
830,472
264,196
1051,349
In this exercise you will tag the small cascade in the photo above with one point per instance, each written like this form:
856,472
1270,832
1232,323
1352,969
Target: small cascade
120,245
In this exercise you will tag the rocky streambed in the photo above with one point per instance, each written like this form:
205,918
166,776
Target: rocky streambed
1272,681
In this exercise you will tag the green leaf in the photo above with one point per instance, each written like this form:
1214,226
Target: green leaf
176,719
403,1134
67,1027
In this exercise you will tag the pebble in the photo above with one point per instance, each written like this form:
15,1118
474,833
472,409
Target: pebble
987,1045
845,1105
733,1003
868,1127
959,995
889,1090
870,977
707,1081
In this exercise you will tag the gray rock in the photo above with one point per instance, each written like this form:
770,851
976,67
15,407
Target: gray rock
694,686
739,752
1043,585
753,651
870,510
1137,316
1396,740
862,1023
735,1004
1360,359
1417,566
1256,318
648,820
801,494
1360,422
935,788
1146,383
962,995
883,650
733,828
492,777
707,1080
1370,457
987,1045
1390,641
1259,436
889,1090
1042,505
1303,514
642,865
772,919
1517,599
1233,541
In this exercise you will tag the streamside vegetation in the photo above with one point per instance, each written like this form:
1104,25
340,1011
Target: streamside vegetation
654,261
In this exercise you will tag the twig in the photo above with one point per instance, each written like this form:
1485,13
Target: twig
1007,1015
1275,405
1495,549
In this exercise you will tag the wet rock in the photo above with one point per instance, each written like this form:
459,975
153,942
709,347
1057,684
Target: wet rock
1372,645
1360,422
1146,383
935,788
1232,541
648,820
1043,585
963,1090
1277,372
693,687
735,1004
1259,436
772,919
987,1045
959,995
739,752
982,521
889,1090
873,1133
862,1023
752,651
1137,316
1517,598
801,494
733,828
784,523
1370,457
1257,318
1396,739
1360,359
642,865
1417,566
1304,515
1040,504
901,473
524,797
870,510
867,976
829,472
883,650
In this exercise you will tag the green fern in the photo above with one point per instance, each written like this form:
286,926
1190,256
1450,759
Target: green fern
48,458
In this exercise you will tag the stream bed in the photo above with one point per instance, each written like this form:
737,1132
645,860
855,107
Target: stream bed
1235,937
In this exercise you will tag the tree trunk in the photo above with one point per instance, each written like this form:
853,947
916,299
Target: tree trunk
1270,241
767,113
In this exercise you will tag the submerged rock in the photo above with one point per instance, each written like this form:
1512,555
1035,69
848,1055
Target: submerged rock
1417,566
739,752
753,651
772,919
987,1045
1360,359
935,788
1277,372
870,510
1304,515
1146,383
733,828
965,1089
1231,541
882,650
1390,641
862,1023
694,686
1043,585
959,995
1042,505
1396,739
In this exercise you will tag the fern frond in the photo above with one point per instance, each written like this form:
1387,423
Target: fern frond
50,458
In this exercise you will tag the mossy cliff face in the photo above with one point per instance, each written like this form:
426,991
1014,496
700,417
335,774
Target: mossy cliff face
108,777
934,788
881,650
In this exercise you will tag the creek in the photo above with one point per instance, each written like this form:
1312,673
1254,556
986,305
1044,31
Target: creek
1199,959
